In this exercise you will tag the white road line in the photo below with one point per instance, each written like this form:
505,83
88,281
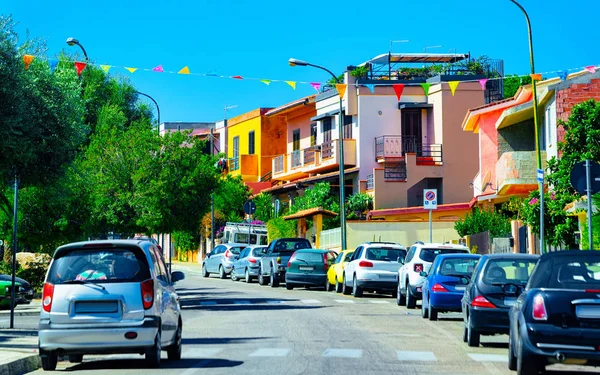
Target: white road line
241,302
270,352
488,357
406,355
378,301
201,353
196,366
276,301
343,301
343,353
310,301
208,303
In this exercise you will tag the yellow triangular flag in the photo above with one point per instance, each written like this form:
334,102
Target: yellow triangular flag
185,70
266,81
106,68
131,70
27,59
292,84
453,85
341,89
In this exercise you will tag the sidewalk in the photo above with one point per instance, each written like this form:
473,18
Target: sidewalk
33,309
187,267
18,351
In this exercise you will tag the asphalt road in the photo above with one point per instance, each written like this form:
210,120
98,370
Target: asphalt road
234,328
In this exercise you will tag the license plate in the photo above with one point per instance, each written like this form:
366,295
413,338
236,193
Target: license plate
460,287
305,268
509,301
106,307
588,312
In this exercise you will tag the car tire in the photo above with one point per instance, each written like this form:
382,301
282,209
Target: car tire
473,335
273,282
356,290
153,354
205,271
222,274
465,334
174,351
338,286
527,364
75,358
261,279
433,314
327,284
399,297
233,275
247,277
411,301
49,360
345,289
289,286
512,358
424,310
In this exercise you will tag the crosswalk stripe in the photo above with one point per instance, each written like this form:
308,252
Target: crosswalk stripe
343,301
270,352
343,353
200,352
378,301
406,355
310,301
241,302
488,357
208,303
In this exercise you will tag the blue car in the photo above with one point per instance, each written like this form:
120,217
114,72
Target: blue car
446,282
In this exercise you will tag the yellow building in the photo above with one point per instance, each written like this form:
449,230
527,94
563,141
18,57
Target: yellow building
252,141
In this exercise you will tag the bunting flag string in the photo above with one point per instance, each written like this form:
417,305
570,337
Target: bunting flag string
453,85
184,70
79,66
106,68
398,88
316,86
53,64
27,59
591,69
292,84
266,81
341,89
536,77
237,77
371,87
425,87
483,82
562,75
131,70
158,69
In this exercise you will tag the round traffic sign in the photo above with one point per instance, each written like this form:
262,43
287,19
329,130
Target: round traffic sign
249,207
430,196
579,180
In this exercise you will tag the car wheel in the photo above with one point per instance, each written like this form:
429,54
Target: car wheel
75,358
345,289
174,351
247,277
424,310
399,297
205,271
49,360
153,354
222,274
472,334
411,301
233,275
327,284
338,286
465,334
356,290
289,286
273,282
261,279
527,364
433,313
512,359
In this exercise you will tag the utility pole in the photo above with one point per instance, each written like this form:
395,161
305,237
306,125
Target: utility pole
212,200
14,253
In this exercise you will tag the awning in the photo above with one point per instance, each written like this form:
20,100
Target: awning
294,104
305,214
414,105
394,58
328,114
515,115
294,185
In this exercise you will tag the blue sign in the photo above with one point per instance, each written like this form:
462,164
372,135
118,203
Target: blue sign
540,175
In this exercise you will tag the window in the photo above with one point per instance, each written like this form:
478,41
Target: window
309,257
356,253
326,124
384,254
162,274
296,139
251,143
461,267
508,271
313,134
235,163
410,255
428,255
347,127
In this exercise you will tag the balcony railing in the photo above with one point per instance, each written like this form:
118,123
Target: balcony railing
396,146
309,155
234,164
278,164
296,159
395,172
327,149
429,154
370,182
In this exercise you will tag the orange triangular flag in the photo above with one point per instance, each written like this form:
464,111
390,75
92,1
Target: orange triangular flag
536,77
292,84
27,59
131,70
79,66
185,70
398,88
341,89
453,85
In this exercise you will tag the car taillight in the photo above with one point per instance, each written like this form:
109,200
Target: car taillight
228,254
47,295
438,288
364,263
592,290
539,308
325,262
481,301
252,260
418,267
148,293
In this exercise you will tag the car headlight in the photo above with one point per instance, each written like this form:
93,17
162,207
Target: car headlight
7,289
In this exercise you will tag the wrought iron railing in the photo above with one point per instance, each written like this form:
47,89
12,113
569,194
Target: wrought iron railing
309,155
370,182
395,172
278,163
388,146
234,164
327,149
267,177
429,154
296,159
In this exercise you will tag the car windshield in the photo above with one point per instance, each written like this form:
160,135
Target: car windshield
575,274
291,245
508,271
428,255
461,267
99,265
385,254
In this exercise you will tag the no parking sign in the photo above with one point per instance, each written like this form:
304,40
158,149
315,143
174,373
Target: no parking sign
430,199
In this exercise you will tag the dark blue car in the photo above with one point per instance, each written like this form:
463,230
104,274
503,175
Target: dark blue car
446,282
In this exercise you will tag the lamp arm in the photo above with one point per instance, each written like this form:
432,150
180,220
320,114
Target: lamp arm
327,70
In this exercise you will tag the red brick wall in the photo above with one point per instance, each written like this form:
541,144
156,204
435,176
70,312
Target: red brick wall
567,98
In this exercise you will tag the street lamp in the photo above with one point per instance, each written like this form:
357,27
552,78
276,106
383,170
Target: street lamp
536,126
157,108
296,62
72,41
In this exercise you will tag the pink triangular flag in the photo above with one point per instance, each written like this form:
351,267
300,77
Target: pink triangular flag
316,86
158,69
591,69
482,82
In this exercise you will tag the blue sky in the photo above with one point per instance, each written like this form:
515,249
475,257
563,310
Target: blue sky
256,38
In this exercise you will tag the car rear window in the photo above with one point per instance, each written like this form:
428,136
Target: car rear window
99,265
578,274
508,271
428,255
384,254
237,250
259,251
291,245
309,257
458,266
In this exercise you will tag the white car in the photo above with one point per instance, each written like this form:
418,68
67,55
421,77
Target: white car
419,258
373,267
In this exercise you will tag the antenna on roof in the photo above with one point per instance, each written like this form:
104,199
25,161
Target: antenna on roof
397,41
425,49
227,108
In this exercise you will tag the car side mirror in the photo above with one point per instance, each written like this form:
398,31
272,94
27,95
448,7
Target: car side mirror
401,260
177,276
423,273
208,255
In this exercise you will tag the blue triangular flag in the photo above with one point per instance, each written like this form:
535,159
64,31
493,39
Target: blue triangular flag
53,64
371,87
562,74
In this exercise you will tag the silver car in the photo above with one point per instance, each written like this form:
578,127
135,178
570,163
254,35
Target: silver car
104,297
221,259
246,265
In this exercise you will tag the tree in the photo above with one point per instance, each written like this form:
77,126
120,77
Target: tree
512,84
264,207
230,195
481,220
319,195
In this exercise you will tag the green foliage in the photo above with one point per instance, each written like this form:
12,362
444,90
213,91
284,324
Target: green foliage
264,207
332,82
230,196
279,228
585,243
481,221
185,241
319,196
360,72
360,202
512,84
558,227
35,273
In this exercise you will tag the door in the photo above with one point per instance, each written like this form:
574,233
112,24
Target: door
327,149
523,239
411,131
213,261
235,163
349,269
166,298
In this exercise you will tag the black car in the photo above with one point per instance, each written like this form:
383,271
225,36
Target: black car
557,318
492,291
26,292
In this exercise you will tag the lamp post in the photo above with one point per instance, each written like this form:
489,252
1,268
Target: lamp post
72,41
157,108
295,62
536,126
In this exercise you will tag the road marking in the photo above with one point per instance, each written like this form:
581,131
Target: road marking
276,301
270,352
343,353
241,302
196,366
208,303
406,355
310,301
200,353
378,301
488,357
343,301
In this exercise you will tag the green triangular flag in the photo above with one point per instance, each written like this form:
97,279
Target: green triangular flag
426,88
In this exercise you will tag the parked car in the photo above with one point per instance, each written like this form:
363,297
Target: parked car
146,238
556,318
246,264
221,258
273,265
25,291
5,293
309,267
419,258
373,267
491,293
335,274
446,282
105,297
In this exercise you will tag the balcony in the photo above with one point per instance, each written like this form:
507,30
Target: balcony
245,166
329,159
370,182
516,172
296,159
392,148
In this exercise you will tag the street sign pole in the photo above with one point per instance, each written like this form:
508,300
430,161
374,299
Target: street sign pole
585,179
430,203
588,177
14,255
540,178
430,226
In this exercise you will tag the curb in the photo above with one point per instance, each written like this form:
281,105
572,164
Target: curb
21,313
22,365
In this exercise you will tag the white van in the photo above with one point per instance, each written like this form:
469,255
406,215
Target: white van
252,234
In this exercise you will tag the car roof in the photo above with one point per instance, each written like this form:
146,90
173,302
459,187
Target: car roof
568,253
312,251
462,256
91,245
510,256
437,245
235,244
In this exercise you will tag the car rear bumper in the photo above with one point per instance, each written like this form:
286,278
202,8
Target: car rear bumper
97,340
416,291
253,271
489,321
377,285
548,341
305,279
447,301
